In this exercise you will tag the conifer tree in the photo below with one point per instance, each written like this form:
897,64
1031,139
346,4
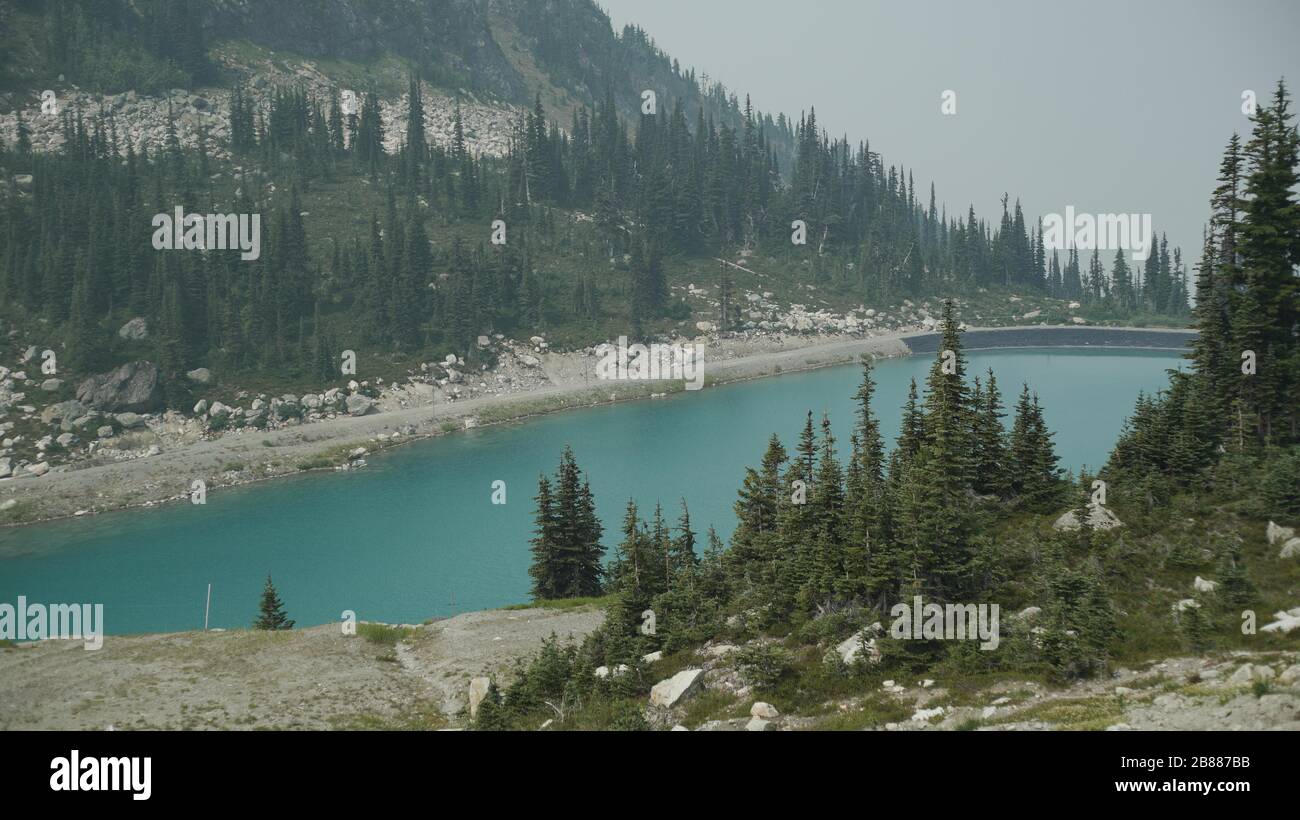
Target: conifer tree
272,615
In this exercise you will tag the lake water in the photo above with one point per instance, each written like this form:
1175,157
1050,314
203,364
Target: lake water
415,535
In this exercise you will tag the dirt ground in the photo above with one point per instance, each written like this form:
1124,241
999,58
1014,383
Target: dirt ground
316,678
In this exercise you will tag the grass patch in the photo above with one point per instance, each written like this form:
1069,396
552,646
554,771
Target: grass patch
872,712
383,634
423,715
1079,714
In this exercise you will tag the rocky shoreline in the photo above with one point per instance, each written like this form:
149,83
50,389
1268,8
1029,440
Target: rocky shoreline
159,457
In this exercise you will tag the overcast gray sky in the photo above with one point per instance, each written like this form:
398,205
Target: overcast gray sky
1110,106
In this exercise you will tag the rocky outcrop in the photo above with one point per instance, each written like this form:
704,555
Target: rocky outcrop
133,387
1098,516
669,692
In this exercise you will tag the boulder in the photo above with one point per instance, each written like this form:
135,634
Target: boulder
1248,673
1290,675
1278,534
1029,613
132,387
763,710
1291,549
130,420
135,330
201,407
1202,585
6,467
757,724
851,647
1098,516
50,385
217,410
672,691
478,689
39,469
104,432
63,411
652,657
359,405
200,375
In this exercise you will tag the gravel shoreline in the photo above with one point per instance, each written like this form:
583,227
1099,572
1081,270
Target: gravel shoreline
260,455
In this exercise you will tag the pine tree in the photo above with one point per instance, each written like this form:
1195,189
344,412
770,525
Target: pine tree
272,610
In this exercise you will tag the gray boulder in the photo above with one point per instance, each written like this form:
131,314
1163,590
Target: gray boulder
135,330
200,375
133,387
1098,516
671,691
130,421
359,405
63,411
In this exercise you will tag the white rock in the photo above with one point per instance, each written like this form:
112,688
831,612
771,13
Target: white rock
924,715
39,469
1098,516
1291,549
652,657
1249,672
757,724
1290,675
760,709
671,691
679,728
850,647
1202,585
1276,533
478,689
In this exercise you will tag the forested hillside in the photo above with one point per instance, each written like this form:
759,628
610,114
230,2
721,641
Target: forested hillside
348,131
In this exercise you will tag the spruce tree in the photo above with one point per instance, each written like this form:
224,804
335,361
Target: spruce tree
272,615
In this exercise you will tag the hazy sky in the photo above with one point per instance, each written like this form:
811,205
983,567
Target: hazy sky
1107,106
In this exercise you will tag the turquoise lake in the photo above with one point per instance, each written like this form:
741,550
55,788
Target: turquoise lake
415,534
